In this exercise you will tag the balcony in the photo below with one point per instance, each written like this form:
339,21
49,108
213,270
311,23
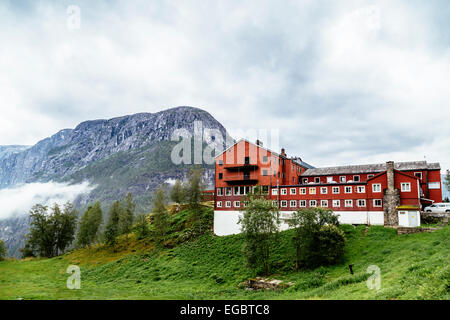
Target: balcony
243,178
241,167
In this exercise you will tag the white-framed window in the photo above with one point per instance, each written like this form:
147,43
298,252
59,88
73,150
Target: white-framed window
342,179
302,191
329,179
376,187
348,203
405,186
265,172
312,190
312,203
324,203
356,178
361,189
293,203
283,191
434,185
293,191
219,192
302,203
361,202
275,203
418,174
245,204
283,203
305,180
323,190
228,204
348,189
236,191
335,190
228,191
336,203
237,204
219,204
274,192
377,203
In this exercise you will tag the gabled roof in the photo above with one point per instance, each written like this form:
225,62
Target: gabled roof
371,168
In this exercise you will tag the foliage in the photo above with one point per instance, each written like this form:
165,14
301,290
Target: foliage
127,216
141,227
317,240
2,250
160,215
259,225
447,180
194,188
89,227
112,227
177,192
50,233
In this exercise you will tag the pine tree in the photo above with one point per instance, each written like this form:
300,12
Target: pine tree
447,180
141,227
2,250
90,225
112,228
177,192
160,215
194,188
127,216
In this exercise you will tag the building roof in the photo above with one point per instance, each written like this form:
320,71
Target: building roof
371,168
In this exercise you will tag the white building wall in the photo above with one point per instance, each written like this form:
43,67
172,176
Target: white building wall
226,222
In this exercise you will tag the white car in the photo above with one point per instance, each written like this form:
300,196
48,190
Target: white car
438,208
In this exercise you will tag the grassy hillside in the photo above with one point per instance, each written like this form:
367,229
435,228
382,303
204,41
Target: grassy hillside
412,266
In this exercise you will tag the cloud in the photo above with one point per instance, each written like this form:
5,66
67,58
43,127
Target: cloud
19,200
344,82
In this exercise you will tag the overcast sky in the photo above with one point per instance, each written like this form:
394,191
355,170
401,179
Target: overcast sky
345,82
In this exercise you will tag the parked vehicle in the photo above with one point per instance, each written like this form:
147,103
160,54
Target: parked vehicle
438,208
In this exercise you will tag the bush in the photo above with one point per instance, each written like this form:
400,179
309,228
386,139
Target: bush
2,250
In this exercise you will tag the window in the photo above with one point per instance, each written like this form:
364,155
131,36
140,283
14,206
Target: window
236,191
219,204
418,174
356,178
434,185
348,203
283,203
228,204
324,203
219,191
335,190
324,190
317,180
265,189
361,203
274,192
329,179
228,191
343,179
220,162
275,203
369,176
265,159
305,180
245,203
220,175
406,186
302,203
247,160
265,173
348,189
312,190
293,203
376,187
312,203
237,204
336,203
361,189
302,191
284,191
292,191
377,203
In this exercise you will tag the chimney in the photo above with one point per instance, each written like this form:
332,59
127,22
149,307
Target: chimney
283,152
390,175
259,143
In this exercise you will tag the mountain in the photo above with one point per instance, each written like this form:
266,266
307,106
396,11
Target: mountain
119,155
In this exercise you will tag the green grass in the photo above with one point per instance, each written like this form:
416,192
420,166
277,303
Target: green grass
414,266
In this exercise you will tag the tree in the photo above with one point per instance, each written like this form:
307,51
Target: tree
259,225
317,239
90,225
194,188
446,199
127,216
177,192
141,227
2,250
50,233
160,215
112,227
447,180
